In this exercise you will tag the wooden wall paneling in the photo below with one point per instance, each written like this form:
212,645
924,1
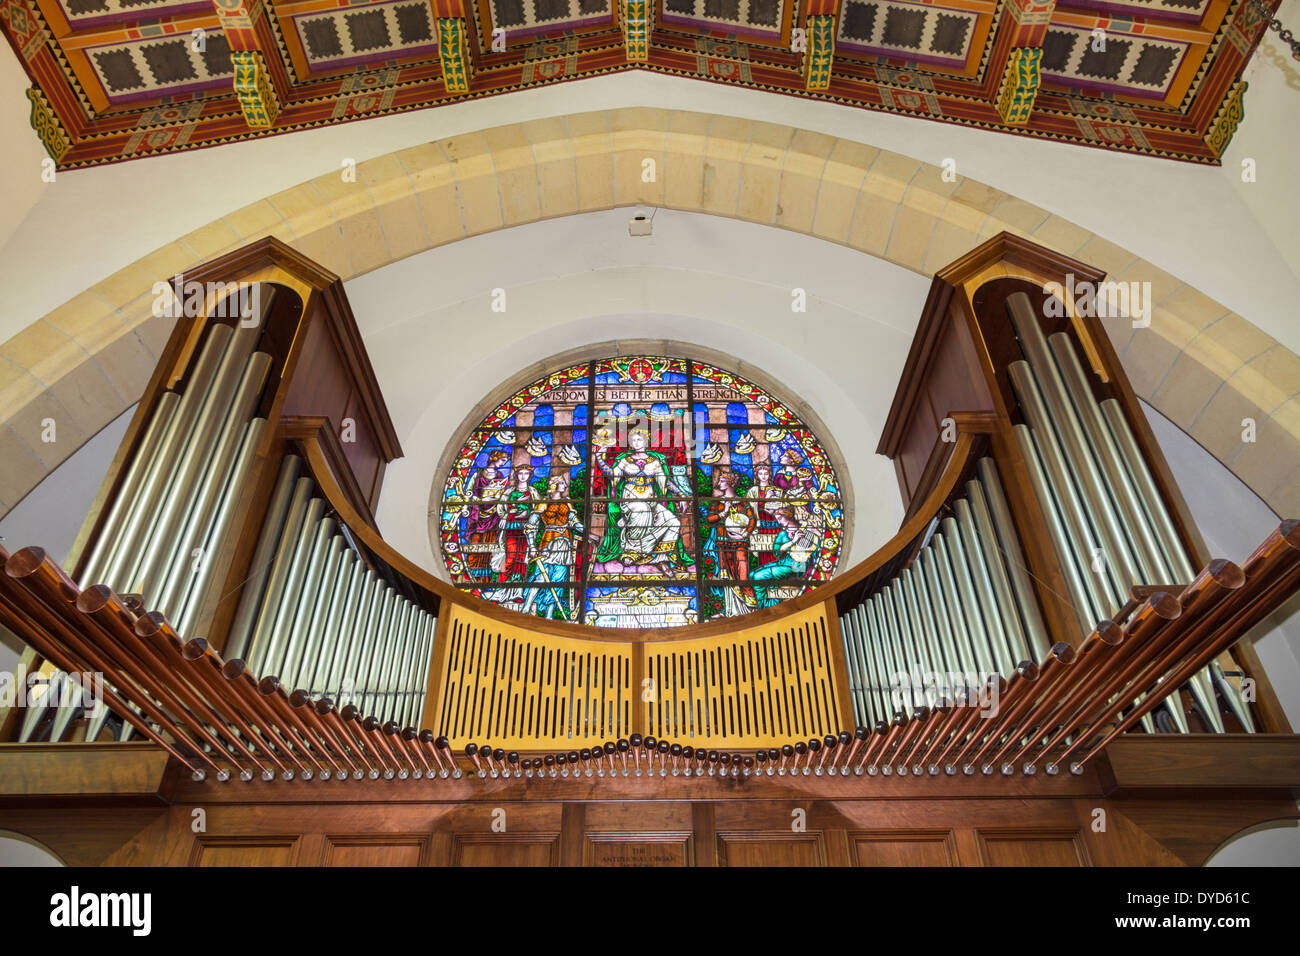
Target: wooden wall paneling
639,848
376,849
1191,830
245,851
572,822
903,847
1032,847
706,839
505,849
766,848
641,833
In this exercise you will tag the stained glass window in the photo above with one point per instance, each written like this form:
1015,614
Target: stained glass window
641,491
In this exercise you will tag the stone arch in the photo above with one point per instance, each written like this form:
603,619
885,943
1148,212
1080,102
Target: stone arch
1206,368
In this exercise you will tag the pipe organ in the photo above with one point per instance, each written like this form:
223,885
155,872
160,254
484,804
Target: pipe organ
1046,605
322,617
963,607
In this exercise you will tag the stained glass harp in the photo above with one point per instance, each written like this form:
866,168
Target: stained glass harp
641,491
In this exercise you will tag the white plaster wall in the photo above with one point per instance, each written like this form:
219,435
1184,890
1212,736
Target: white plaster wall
18,850
1271,138
51,514
1191,221
439,349
1276,843
1233,520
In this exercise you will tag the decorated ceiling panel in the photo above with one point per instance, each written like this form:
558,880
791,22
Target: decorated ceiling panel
526,18
919,32
113,80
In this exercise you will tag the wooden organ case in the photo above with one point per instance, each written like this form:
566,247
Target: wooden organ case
1044,635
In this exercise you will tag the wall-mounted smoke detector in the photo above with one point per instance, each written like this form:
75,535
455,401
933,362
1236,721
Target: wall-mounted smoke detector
640,224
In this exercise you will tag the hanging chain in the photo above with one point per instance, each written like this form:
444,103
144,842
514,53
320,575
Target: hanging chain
1275,25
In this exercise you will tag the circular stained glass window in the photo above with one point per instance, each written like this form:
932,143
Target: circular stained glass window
641,491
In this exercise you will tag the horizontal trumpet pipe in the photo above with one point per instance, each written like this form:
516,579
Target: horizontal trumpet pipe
1051,677
994,687
28,585
1218,578
1271,598
1018,685
952,717
153,627
275,727
304,706
271,688
887,742
201,656
101,605
129,659
343,730
51,650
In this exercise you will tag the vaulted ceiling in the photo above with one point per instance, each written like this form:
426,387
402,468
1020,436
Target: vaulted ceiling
125,79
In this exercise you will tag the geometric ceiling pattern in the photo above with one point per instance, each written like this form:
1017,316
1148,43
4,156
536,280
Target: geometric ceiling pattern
115,80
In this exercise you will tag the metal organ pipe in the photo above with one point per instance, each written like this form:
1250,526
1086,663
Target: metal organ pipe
1147,552
1080,457
1017,569
109,539
165,527
327,625
950,621
137,524
1082,544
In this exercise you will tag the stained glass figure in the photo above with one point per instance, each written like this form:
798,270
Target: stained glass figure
640,491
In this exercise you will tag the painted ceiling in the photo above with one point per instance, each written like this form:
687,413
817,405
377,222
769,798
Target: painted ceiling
117,80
